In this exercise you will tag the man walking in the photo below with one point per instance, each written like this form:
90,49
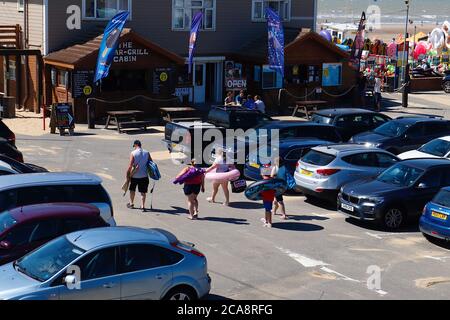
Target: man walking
137,172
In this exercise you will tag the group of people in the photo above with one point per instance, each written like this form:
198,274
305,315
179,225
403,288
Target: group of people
246,101
377,81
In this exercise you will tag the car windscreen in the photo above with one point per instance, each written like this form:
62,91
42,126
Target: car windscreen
6,221
401,175
392,129
318,118
438,148
43,263
442,198
318,158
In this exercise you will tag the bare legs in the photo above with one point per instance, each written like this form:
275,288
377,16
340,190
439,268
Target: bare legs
280,205
226,192
133,196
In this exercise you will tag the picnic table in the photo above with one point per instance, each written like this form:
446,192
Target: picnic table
307,106
126,119
170,114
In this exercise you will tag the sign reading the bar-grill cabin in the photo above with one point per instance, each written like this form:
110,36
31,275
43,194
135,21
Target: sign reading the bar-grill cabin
127,52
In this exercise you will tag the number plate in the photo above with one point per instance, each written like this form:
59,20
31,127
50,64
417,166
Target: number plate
347,207
439,215
306,173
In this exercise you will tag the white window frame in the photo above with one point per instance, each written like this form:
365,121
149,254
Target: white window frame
20,5
287,3
130,9
187,10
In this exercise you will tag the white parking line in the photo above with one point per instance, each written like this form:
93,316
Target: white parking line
381,236
442,259
343,277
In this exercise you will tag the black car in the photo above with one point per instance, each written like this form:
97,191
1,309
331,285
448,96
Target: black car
405,133
349,121
7,149
7,134
398,194
21,167
289,150
446,82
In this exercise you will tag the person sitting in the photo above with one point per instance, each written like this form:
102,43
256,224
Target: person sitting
240,98
260,106
250,103
229,100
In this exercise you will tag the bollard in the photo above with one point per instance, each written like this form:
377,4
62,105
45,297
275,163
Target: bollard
90,115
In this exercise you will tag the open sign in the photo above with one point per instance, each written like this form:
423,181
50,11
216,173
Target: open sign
236,83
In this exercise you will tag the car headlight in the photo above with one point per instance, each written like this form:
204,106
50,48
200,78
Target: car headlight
341,191
374,200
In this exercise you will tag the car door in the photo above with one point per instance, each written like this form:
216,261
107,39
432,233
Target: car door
145,271
414,138
344,125
100,279
431,181
362,165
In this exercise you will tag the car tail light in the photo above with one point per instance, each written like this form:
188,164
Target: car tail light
187,248
297,164
319,190
327,172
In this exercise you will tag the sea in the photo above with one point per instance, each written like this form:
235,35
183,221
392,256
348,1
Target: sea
391,11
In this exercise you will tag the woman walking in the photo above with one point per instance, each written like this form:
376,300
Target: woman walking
220,166
192,187
279,172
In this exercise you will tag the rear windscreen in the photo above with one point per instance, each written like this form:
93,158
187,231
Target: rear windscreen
318,158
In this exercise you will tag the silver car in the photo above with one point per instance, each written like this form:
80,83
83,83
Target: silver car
106,264
324,170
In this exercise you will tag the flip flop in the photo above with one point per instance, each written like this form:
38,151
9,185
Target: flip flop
130,206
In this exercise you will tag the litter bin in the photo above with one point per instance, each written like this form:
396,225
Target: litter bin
8,105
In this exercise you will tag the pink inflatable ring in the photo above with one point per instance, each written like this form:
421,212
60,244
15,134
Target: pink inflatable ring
221,177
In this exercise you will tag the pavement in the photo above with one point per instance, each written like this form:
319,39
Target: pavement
317,254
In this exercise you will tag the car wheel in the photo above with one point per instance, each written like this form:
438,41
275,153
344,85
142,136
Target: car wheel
447,87
181,294
393,218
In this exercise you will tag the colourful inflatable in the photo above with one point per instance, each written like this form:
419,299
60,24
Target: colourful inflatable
153,171
437,39
253,191
190,174
221,177
421,49
326,35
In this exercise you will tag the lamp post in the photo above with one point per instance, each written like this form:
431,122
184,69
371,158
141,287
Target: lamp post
405,78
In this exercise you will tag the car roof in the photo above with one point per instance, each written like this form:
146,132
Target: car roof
294,142
5,165
346,147
416,119
94,238
343,111
48,178
54,210
288,124
447,138
426,163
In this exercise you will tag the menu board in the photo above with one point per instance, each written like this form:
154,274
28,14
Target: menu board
64,116
82,83
163,83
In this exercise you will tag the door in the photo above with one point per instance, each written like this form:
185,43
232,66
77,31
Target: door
99,277
199,83
146,271
431,184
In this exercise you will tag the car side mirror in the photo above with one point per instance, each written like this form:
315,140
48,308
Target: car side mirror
70,280
5,245
422,186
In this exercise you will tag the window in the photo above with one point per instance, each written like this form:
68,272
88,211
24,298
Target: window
99,264
271,79
104,9
416,131
385,160
63,78
282,7
432,179
183,12
362,160
296,154
378,120
20,5
143,257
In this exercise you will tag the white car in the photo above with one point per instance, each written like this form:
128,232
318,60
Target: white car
438,148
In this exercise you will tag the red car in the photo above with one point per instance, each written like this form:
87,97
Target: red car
26,228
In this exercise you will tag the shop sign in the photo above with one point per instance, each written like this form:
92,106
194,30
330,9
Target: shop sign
236,84
181,92
82,83
64,116
127,52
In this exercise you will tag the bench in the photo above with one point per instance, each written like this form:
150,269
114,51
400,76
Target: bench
134,125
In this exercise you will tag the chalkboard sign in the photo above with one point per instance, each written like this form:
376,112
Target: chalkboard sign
82,83
163,81
64,116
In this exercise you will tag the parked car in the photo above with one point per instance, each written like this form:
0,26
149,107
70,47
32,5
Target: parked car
446,82
180,136
398,194
7,134
36,188
26,228
11,166
325,169
350,121
290,150
405,133
435,220
437,148
114,263
9,150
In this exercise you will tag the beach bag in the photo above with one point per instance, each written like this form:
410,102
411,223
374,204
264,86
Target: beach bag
290,181
238,186
153,171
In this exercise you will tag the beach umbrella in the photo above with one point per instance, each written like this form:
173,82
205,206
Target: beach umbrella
327,35
421,49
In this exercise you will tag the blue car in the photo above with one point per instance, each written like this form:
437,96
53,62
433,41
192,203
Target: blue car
290,150
435,221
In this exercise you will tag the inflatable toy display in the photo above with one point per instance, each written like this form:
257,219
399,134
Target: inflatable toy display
437,39
327,35
220,177
421,49
253,191
191,173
